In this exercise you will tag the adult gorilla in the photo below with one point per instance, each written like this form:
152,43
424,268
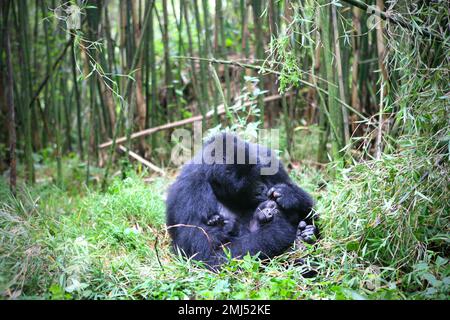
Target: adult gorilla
225,181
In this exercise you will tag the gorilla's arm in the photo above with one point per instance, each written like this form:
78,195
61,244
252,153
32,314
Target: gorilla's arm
190,202
290,197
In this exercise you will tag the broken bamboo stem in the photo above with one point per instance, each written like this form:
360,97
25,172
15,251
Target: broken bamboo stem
145,162
146,132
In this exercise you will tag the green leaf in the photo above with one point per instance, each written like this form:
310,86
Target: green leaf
228,42
352,246
431,279
440,261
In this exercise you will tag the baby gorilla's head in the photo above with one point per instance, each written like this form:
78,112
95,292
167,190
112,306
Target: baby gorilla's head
265,213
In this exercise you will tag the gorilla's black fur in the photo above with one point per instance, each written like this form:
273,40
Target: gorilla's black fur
264,213
233,191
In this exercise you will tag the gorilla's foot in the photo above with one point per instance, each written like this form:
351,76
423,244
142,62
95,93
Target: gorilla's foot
306,233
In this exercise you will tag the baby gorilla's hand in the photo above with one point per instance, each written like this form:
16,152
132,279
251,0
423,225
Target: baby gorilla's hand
306,232
264,213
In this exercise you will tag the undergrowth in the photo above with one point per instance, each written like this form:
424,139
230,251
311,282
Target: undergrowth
57,244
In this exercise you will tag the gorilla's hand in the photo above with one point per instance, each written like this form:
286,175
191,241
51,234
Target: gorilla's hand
231,227
306,232
283,195
228,227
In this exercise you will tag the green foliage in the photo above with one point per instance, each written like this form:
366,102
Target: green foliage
243,117
56,244
61,242
392,214
293,46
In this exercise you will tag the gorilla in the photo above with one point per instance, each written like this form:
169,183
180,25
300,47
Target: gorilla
236,195
264,213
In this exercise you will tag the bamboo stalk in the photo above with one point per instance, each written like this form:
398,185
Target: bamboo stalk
77,100
337,50
170,94
66,105
193,69
319,68
203,76
355,102
12,136
24,58
222,50
379,142
259,54
154,111
208,54
58,107
141,105
336,118
381,48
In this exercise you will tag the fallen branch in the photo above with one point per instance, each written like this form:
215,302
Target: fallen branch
146,132
142,160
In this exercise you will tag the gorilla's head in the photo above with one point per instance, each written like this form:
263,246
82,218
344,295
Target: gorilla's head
231,180
234,170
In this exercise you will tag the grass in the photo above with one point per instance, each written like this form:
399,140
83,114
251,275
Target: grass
80,243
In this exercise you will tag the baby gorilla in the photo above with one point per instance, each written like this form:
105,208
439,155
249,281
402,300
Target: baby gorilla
264,213
268,210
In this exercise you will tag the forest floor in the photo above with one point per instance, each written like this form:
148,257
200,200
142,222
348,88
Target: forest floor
78,243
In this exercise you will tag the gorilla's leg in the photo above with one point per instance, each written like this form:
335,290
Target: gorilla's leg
272,239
